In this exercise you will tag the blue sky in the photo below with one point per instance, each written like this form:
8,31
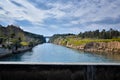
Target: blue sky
48,17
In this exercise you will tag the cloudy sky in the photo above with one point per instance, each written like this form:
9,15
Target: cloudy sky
48,17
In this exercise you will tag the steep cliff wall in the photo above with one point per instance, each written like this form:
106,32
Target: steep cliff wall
101,46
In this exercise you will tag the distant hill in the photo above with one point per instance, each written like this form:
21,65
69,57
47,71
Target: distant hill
14,32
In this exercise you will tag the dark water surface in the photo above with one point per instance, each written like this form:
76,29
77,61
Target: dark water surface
48,52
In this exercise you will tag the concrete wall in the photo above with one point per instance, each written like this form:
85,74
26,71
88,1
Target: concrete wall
59,72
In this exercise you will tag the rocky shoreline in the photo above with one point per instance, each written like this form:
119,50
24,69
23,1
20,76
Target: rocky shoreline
7,52
99,47
112,47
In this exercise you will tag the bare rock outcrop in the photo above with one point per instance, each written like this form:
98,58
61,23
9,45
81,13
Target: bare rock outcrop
107,47
101,47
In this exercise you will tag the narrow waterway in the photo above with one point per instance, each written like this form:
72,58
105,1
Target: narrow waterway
49,52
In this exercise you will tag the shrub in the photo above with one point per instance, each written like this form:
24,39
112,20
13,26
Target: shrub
24,43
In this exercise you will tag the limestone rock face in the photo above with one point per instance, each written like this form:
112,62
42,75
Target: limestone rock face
103,47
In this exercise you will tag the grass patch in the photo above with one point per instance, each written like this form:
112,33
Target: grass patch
24,43
78,41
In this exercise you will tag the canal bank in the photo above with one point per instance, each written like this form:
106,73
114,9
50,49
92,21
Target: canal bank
6,52
52,53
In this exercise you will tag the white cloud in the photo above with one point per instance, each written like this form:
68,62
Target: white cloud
96,11
54,26
28,12
100,27
75,12
85,10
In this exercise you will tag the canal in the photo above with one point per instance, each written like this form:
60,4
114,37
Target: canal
49,52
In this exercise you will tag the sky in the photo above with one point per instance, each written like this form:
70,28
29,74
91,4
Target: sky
48,17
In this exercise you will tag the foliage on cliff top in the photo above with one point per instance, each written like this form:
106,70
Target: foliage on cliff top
78,41
86,37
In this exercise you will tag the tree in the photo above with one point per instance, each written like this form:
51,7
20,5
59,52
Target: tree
103,34
96,33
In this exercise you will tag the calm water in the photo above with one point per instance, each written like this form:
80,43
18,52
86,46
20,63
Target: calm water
54,53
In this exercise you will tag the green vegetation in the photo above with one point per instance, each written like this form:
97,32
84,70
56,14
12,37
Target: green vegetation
13,37
76,42
100,35
86,37
24,43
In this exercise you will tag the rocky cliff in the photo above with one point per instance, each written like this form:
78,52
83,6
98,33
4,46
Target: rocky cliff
15,40
14,32
100,46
